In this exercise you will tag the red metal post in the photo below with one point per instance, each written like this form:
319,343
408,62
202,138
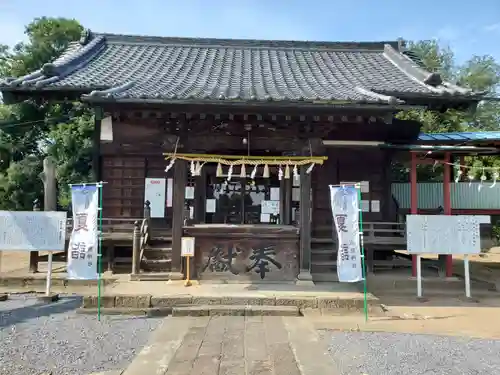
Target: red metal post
413,202
447,204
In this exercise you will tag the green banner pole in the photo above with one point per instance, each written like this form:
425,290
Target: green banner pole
362,246
99,254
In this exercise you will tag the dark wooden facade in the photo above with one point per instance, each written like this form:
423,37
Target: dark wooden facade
140,137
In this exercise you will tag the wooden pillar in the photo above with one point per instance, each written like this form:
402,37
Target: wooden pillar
447,204
34,254
304,276
414,202
286,201
49,200
200,197
180,180
136,248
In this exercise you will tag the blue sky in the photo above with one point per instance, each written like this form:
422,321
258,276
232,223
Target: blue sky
469,27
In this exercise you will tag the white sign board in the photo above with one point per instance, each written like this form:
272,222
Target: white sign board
187,247
155,193
444,234
32,231
270,207
345,211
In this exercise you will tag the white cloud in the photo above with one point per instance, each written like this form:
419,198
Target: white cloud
492,28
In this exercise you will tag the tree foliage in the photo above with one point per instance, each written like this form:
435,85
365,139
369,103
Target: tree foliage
479,73
35,130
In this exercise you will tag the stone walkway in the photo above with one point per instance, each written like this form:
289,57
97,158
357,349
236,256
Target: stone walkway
229,345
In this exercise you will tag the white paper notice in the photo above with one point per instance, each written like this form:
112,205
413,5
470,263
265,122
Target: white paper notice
189,194
187,246
296,194
265,218
375,206
270,207
275,194
210,206
365,206
365,186
170,191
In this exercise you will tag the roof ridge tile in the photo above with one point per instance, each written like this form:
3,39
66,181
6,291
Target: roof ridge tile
375,46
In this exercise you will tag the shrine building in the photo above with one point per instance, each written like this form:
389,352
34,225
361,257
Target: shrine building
235,142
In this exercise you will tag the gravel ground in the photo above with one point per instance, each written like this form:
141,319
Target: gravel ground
37,339
357,353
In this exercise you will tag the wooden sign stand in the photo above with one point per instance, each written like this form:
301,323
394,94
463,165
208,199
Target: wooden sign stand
187,251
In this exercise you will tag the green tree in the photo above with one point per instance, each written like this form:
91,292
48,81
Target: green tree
37,129
481,74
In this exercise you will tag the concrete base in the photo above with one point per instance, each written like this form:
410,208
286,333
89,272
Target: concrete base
148,312
304,278
145,302
4,297
156,276
48,299
38,281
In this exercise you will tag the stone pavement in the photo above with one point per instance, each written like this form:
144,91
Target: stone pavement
229,345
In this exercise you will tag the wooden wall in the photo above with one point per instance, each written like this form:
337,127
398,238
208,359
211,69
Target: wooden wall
135,153
351,165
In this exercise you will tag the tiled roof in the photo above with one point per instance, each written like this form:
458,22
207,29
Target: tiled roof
118,67
455,137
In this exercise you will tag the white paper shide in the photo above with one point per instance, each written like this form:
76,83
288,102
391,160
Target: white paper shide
84,240
345,211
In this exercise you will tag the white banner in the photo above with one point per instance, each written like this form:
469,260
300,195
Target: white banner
345,211
84,240
32,231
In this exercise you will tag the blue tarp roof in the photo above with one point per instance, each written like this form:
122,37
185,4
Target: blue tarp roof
460,137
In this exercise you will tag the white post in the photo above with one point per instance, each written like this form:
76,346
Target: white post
419,276
467,276
49,275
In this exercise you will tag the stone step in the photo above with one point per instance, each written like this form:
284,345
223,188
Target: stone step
324,267
324,250
328,276
159,248
322,257
235,310
187,300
